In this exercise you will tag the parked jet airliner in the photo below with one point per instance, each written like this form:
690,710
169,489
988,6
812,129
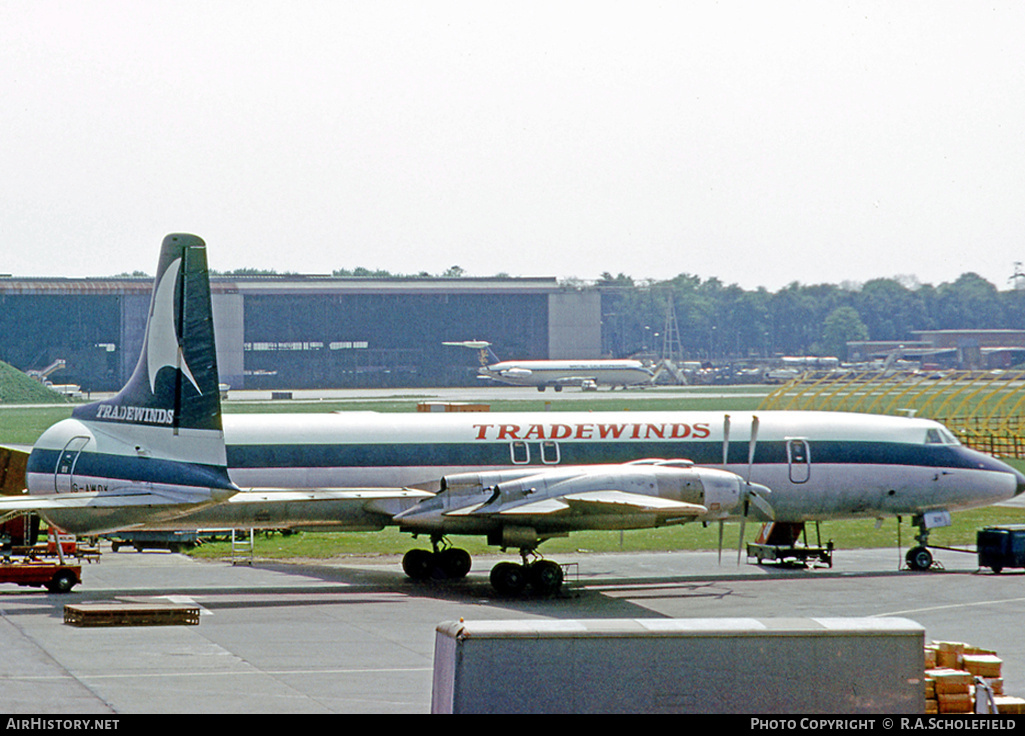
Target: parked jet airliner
558,373
160,455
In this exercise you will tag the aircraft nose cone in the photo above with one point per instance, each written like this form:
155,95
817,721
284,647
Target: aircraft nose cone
1020,482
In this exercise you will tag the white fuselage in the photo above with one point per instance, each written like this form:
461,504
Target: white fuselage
818,465
568,372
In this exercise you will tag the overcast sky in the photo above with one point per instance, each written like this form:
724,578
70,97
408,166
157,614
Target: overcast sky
758,142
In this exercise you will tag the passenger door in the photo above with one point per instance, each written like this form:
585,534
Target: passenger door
64,473
799,459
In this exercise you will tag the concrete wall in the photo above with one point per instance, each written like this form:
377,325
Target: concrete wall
763,666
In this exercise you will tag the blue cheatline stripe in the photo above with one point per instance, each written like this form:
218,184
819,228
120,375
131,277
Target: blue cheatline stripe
490,454
135,469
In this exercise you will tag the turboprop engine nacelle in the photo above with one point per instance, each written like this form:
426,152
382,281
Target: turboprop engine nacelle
667,491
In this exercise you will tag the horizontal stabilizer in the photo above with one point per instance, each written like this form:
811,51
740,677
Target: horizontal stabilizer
14,505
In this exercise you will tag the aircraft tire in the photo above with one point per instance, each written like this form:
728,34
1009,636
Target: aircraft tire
455,563
418,564
63,581
508,578
546,577
919,558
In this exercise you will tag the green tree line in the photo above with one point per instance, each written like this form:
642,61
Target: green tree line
716,321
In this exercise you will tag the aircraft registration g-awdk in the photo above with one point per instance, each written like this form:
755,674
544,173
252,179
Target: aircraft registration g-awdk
160,455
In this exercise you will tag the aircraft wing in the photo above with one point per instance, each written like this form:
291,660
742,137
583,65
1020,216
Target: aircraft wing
608,501
337,509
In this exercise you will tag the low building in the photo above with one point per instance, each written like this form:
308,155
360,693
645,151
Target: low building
304,331
954,349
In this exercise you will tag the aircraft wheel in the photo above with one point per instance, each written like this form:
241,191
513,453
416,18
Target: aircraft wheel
546,577
454,562
63,581
418,563
541,389
919,558
508,578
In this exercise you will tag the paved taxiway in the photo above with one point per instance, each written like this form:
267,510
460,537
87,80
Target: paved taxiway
354,635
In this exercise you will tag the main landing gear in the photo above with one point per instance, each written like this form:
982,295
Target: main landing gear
450,563
541,577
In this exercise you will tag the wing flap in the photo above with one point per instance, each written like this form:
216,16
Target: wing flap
543,507
614,500
292,495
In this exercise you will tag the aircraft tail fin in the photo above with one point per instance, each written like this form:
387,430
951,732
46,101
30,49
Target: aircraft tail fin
175,383
484,352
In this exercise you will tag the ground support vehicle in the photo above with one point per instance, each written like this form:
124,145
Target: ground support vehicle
175,541
54,576
1000,547
778,542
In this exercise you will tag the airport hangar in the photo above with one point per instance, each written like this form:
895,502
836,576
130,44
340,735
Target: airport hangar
295,332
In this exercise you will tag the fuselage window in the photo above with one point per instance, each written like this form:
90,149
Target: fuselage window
550,452
520,452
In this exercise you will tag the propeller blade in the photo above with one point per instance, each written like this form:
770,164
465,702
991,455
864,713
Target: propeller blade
740,540
759,500
725,440
720,542
751,447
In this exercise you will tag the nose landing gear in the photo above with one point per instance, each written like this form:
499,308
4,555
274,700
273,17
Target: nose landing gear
919,558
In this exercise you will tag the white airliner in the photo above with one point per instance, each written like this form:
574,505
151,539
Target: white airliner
558,373
160,455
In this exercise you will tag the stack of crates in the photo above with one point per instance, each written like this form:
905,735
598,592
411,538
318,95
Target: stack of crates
955,671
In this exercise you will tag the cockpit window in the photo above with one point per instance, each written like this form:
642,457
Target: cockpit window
940,436
949,436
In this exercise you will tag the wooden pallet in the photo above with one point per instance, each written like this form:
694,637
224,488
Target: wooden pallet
131,614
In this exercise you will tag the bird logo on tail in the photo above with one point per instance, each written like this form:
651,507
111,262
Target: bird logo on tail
162,346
